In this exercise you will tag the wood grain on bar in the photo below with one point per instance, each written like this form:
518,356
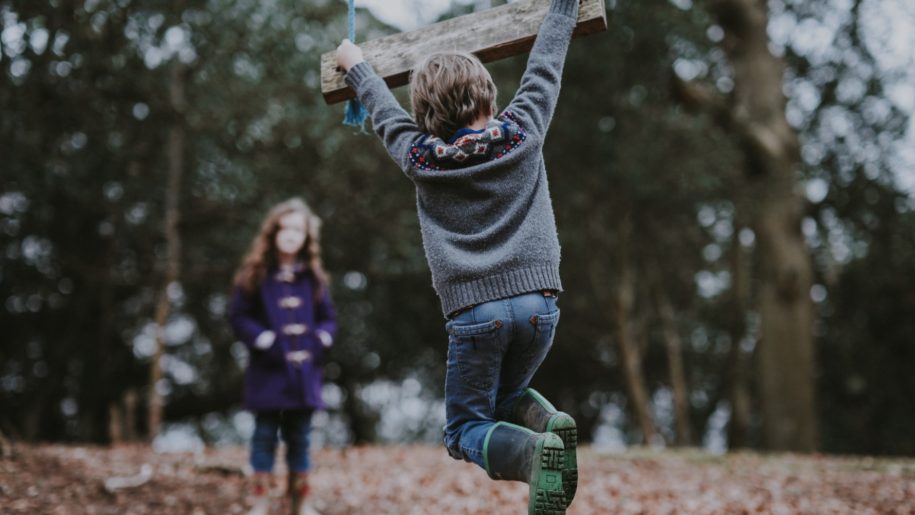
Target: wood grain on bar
492,34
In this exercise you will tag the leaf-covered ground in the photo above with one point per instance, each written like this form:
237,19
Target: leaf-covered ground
424,480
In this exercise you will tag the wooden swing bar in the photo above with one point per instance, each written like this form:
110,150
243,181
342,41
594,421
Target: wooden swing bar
491,35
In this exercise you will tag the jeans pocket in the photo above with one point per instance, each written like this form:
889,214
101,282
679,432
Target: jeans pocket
545,325
476,350
544,331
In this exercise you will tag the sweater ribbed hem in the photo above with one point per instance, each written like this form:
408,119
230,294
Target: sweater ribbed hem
564,7
455,296
358,73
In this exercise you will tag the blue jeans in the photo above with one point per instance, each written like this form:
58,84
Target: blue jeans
295,427
494,349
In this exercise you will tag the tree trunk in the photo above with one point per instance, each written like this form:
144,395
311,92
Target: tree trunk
362,421
737,380
175,149
99,373
623,303
674,347
33,414
6,448
115,423
130,415
786,357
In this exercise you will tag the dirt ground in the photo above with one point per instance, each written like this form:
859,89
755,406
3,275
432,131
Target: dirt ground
56,479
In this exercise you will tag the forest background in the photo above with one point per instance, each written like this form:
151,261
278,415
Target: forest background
733,181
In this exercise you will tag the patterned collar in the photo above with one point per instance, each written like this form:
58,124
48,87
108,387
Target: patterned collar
466,131
469,147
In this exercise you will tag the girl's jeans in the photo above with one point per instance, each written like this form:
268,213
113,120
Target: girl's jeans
494,349
295,427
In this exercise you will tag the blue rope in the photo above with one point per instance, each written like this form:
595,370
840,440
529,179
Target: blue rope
355,113
351,20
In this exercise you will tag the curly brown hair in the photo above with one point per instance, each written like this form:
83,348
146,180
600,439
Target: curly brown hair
262,254
449,91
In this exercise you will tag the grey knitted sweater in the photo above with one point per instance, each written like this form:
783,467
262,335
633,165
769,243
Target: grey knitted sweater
483,200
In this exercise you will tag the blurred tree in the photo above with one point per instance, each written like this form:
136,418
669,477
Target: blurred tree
171,265
678,382
843,97
837,101
755,112
737,373
74,258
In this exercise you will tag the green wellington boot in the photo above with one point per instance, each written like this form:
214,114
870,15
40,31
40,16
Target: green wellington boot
516,453
533,411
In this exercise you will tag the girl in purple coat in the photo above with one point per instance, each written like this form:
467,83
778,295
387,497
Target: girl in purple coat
281,310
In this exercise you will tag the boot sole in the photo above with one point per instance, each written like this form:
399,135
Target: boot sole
547,496
563,426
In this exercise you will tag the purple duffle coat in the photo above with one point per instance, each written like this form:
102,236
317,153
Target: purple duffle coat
272,381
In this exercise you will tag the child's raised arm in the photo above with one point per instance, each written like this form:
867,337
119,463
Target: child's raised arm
539,90
391,122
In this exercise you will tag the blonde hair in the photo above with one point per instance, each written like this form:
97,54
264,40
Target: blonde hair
449,91
262,253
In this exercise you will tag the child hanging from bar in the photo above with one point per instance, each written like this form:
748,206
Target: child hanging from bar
490,239
281,310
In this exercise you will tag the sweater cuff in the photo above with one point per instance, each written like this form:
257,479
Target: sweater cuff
359,73
564,7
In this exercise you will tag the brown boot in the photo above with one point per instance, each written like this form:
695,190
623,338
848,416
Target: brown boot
261,490
298,494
